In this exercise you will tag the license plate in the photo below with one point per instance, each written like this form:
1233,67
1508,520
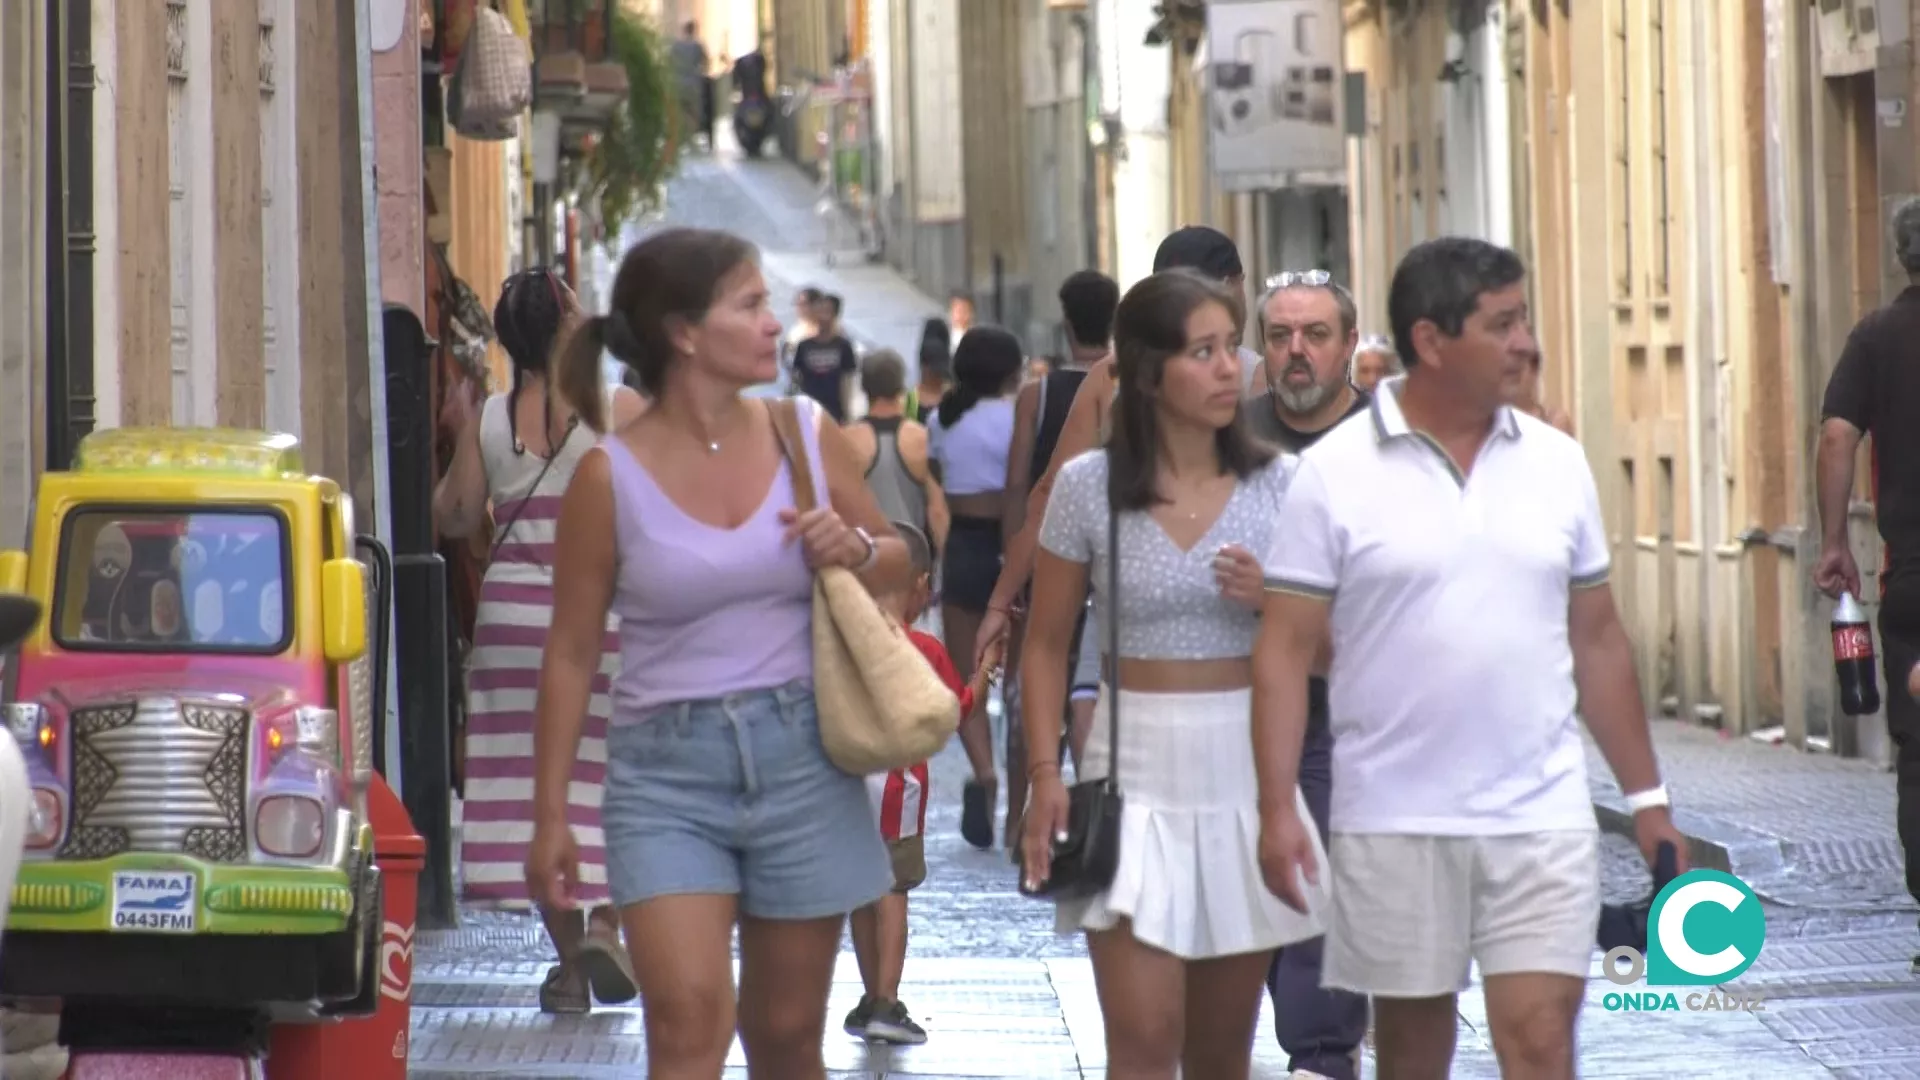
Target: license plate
156,901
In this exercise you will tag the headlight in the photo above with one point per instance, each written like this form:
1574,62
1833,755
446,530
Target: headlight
289,826
26,720
317,731
45,820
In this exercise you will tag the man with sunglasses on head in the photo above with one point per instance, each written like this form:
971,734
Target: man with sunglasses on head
1308,330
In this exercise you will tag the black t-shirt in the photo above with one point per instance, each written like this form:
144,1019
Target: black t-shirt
1875,386
1264,420
821,365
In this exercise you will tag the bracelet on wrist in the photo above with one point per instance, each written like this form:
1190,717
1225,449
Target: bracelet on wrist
1650,799
1035,768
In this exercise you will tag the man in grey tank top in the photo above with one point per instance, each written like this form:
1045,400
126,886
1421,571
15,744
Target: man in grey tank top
894,447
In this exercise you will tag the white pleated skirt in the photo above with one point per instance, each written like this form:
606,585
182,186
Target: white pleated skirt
1189,875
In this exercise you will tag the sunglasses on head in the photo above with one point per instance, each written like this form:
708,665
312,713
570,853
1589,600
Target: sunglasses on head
1287,279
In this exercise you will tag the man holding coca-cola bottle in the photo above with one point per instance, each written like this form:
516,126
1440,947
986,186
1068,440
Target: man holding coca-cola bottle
1446,554
1875,390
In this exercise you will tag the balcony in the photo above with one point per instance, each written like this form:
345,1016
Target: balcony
575,73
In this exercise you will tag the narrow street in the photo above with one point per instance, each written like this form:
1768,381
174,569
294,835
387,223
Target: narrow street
1003,996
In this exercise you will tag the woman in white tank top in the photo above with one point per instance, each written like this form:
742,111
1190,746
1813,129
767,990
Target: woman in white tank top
519,455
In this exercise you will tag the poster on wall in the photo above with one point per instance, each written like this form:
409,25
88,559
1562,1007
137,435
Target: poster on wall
1275,86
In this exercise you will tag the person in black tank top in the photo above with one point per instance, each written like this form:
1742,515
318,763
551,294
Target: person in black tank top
1056,398
1087,302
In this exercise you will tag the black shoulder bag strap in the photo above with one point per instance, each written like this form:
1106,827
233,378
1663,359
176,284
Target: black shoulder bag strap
1113,636
552,453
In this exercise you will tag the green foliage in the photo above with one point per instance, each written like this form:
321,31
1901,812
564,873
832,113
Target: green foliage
629,168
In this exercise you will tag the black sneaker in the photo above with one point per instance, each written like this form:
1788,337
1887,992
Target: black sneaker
891,1023
861,1017
976,815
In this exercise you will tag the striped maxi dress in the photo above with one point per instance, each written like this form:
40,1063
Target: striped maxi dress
516,610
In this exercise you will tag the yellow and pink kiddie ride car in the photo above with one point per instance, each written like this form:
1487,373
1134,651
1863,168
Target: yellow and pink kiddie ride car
198,710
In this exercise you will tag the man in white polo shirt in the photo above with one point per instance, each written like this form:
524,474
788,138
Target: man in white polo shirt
1451,552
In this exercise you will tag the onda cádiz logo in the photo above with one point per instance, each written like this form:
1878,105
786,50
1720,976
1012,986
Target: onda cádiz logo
1706,928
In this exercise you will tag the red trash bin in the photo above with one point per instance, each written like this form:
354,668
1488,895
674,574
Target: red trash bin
372,1047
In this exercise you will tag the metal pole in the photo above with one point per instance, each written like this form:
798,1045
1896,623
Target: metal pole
376,353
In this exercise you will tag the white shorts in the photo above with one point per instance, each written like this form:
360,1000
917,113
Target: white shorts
1410,914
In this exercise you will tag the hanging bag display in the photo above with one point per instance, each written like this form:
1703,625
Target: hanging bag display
492,82
881,705
1085,862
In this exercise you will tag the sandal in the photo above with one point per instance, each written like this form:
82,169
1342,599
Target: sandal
564,992
606,965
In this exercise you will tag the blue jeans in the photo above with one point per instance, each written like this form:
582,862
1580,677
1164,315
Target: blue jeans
735,796
1318,1028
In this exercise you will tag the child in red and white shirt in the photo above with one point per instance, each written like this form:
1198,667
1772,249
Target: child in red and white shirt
900,802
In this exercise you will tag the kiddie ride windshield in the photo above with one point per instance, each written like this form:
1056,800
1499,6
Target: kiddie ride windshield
173,581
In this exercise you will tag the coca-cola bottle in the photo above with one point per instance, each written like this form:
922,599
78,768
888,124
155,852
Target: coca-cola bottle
1853,658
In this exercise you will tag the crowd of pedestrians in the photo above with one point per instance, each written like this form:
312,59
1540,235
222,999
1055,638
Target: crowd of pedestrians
1199,574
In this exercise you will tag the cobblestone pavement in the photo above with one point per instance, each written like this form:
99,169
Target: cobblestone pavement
776,207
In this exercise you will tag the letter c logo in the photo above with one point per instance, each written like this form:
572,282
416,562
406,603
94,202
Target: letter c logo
1704,908
1673,928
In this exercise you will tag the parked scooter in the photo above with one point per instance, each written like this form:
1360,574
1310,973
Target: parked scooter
752,108
752,122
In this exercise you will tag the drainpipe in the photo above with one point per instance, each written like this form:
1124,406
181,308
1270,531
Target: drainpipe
70,239
1089,108
1705,418
376,352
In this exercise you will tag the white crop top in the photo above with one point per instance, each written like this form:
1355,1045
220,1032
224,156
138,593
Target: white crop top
1170,605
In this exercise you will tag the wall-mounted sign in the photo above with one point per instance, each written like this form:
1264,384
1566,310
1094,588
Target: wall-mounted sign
388,22
1276,88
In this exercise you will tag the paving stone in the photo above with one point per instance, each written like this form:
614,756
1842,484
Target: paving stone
1819,809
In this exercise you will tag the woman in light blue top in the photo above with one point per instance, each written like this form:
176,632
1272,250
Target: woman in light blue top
969,440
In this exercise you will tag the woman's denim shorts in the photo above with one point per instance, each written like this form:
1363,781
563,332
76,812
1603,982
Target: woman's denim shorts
735,795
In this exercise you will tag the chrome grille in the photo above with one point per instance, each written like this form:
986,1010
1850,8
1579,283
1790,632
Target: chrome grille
159,776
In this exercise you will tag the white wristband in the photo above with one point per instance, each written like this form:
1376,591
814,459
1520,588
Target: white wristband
1648,799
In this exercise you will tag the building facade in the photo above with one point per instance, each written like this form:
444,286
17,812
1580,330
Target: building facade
25,48
231,284
1700,192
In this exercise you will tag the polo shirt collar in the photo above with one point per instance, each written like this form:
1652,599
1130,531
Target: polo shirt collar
1390,423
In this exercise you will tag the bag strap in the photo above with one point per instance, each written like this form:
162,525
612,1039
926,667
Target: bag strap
793,444
552,453
1113,636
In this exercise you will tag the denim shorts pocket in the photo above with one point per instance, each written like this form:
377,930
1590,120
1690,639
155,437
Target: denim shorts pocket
637,745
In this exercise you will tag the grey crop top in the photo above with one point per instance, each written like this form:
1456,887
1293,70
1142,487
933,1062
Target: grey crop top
1170,605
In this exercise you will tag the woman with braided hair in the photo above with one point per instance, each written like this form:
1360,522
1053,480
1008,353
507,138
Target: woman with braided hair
519,454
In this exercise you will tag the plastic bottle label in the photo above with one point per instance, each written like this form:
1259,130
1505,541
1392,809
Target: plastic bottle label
1852,643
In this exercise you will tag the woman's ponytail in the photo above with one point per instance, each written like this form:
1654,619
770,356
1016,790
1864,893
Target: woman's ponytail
576,372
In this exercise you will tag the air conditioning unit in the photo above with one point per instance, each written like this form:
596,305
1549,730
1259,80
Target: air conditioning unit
1849,37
